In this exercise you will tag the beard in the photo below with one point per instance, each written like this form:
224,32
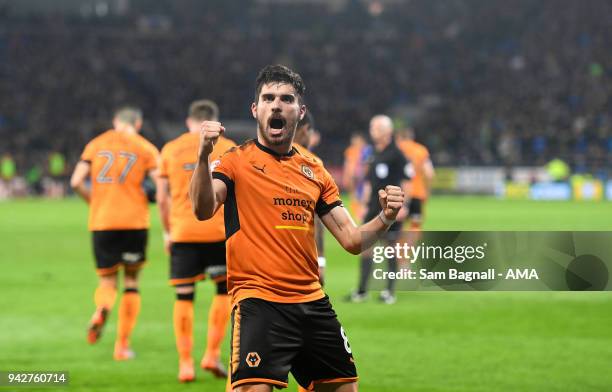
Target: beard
285,138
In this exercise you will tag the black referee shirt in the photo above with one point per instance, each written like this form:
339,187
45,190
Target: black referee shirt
386,167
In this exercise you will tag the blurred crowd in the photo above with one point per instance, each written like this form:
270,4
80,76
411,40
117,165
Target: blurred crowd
483,82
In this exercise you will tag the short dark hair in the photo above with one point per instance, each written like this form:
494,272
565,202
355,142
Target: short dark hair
128,114
279,73
307,120
204,110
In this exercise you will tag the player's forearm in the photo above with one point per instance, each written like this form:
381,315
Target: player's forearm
164,213
370,232
82,191
201,191
354,239
162,197
319,235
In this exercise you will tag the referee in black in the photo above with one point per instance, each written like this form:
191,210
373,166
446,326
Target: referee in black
386,165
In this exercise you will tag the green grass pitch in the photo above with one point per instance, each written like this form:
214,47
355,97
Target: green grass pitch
428,341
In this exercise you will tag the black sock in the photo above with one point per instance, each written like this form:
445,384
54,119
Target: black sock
392,268
185,297
364,274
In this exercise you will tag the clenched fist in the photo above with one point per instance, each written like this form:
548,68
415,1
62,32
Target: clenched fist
209,133
391,200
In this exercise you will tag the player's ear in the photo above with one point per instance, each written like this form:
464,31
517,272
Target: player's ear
254,109
302,111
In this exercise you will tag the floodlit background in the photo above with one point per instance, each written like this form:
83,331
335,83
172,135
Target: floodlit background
512,98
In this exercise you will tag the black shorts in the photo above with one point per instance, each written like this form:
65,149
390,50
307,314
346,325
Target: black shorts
271,339
192,261
114,248
415,209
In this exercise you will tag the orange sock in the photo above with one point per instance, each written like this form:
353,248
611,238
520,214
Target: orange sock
218,316
128,314
183,327
104,297
228,384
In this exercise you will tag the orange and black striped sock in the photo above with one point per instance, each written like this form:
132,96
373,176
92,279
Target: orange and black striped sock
129,308
183,325
104,297
218,316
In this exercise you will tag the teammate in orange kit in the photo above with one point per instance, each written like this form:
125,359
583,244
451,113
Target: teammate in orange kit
282,321
421,182
197,248
354,171
117,162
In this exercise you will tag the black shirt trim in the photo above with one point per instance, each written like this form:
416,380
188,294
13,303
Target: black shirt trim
272,152
322,208
220,176
232,220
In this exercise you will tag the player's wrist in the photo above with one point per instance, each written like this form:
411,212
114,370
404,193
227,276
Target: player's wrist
166,235
203,156
386,220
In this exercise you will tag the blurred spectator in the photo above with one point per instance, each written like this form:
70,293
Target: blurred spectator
558,170
7,168
494,83
57,181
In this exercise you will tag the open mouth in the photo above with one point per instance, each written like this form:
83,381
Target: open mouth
277,123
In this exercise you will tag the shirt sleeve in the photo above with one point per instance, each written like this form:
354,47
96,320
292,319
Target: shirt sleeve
330,195
163,162
88,152
224,168
152,157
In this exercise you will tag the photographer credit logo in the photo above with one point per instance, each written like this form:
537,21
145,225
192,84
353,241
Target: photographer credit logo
505,261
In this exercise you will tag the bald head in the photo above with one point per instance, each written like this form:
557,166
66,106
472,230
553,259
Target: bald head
381,129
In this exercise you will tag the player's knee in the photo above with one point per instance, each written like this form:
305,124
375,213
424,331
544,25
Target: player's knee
336,387
253,388
131,275
109,281
130,282
222,287
185,292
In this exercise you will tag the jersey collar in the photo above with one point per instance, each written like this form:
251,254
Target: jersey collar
272,152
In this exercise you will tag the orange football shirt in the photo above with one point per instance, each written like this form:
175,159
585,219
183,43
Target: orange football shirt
178,160
352,156
418,155
269,222
119,164
306,152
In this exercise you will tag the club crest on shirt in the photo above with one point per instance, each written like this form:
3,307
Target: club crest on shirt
214,164
307,171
